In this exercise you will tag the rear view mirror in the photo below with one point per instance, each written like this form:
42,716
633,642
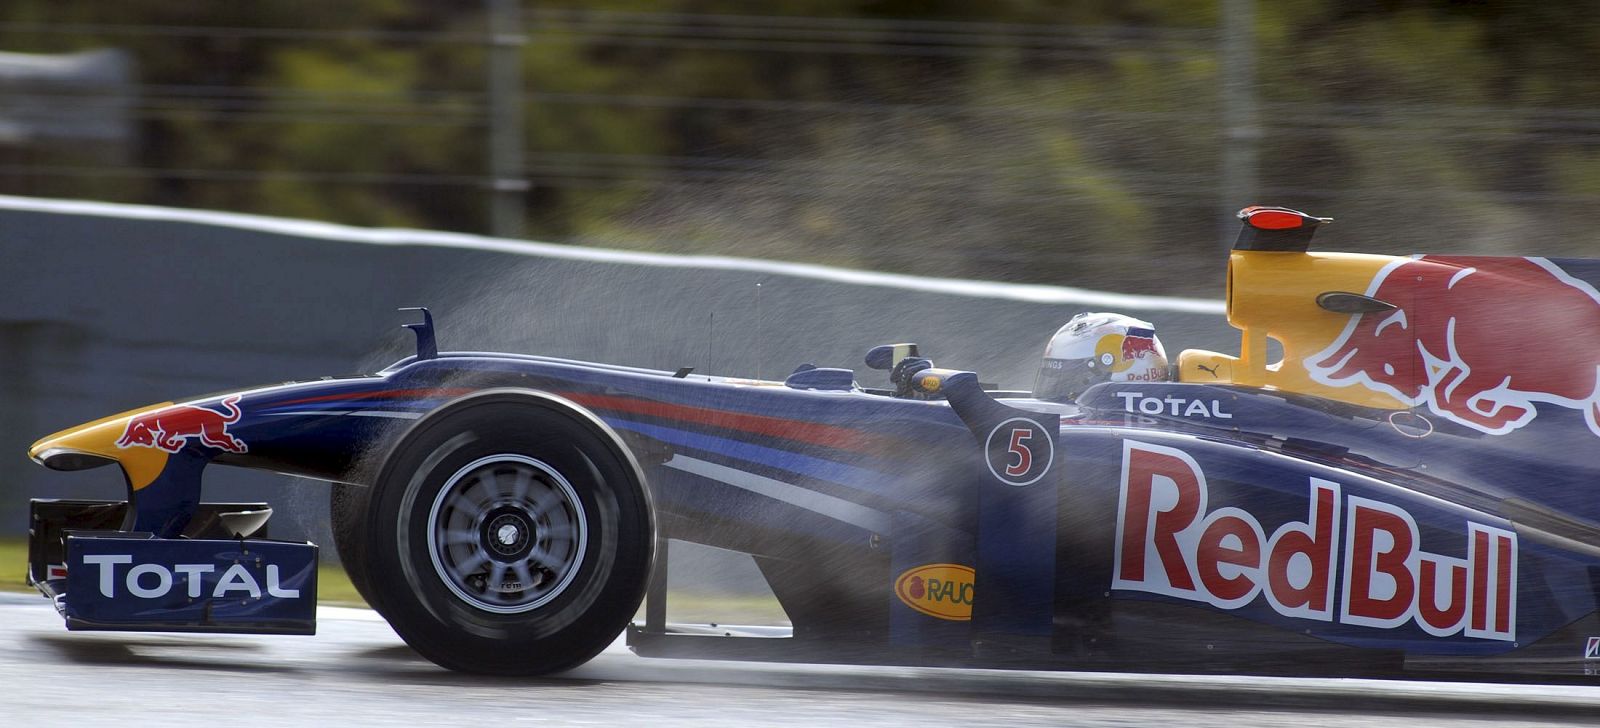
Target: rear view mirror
888,355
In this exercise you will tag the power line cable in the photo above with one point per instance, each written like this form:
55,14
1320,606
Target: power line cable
846,34
243,33
1176,196
1287,115
856,22
826,48
689,25
859,168
234,175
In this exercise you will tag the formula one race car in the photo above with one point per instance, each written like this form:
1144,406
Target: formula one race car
1408,488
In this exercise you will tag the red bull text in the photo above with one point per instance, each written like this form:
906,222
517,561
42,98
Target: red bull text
1171,541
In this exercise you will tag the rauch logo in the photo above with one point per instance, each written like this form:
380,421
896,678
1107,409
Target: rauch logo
938,590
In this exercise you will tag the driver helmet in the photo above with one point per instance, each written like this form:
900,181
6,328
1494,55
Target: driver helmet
1099,347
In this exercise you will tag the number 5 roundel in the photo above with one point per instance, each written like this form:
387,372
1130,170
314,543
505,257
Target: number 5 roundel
1019,451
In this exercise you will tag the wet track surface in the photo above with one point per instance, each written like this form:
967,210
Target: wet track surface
357,672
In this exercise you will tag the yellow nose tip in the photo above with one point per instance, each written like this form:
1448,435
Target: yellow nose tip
99,440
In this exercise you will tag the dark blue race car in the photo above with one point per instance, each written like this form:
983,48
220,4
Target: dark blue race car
1395,475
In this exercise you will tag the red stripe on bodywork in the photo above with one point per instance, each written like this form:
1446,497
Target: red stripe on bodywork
843,438
386,394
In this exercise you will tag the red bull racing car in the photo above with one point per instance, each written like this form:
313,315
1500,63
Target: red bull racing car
1405,484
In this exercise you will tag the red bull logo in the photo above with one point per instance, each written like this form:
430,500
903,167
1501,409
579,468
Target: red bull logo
1172,541
1477,340
1119,352
1138,343
169,428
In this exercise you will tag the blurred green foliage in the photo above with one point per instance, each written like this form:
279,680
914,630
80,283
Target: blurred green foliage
1030,140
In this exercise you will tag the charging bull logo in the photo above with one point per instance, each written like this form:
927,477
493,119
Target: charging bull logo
169,428
1118,352
1478,340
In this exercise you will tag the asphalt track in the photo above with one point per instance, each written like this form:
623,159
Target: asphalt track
356,672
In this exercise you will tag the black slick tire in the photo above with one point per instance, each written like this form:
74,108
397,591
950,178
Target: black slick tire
347,511
589,482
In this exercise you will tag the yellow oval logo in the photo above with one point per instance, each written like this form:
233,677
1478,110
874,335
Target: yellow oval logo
938,590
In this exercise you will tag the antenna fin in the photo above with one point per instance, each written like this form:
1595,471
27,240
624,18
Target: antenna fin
427,347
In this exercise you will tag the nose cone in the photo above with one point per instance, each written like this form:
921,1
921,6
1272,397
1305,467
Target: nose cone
94,444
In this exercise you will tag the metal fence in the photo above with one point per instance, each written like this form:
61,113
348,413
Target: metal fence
1121,186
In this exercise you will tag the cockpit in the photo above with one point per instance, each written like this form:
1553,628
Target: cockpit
1280,296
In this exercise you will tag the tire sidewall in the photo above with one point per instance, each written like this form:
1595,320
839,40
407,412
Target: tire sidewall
608,581
347,510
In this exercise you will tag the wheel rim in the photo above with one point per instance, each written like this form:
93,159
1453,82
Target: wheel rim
507,533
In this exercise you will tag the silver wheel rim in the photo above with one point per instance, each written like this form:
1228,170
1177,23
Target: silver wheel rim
507,533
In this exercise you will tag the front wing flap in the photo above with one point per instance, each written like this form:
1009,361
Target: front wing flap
128,581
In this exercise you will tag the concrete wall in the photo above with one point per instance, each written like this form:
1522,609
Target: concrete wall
107,307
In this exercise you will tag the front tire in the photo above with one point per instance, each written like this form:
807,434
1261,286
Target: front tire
509,533
347,511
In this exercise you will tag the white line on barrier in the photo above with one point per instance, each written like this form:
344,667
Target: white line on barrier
1030,293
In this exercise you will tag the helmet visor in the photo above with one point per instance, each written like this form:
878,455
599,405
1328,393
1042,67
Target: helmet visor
1062,380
